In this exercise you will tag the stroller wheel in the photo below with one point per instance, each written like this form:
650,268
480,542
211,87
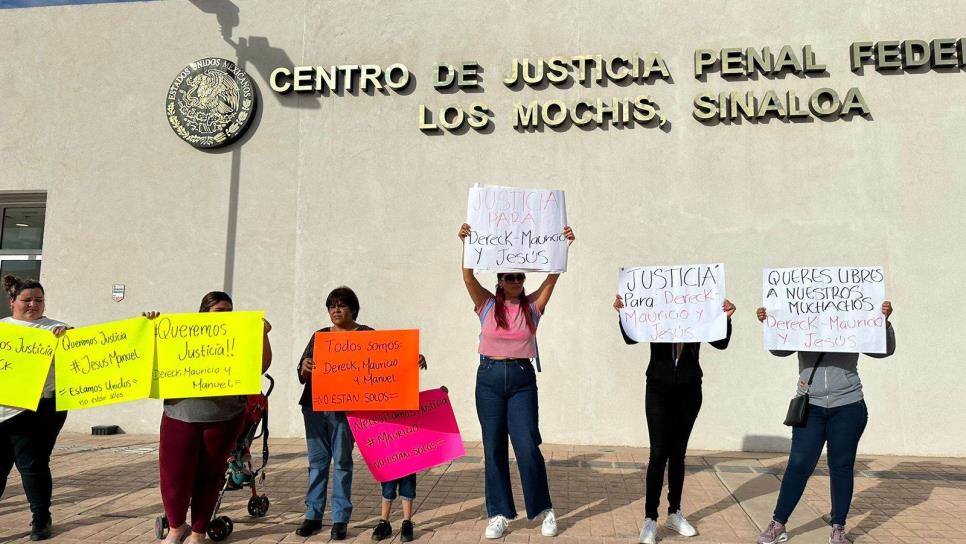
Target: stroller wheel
161,527
262,505
258,506
218,529
229,523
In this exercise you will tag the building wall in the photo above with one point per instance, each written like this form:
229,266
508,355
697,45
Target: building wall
334,190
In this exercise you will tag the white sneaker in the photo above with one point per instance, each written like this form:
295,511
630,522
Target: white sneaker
549,527
649,532
496,527
676,522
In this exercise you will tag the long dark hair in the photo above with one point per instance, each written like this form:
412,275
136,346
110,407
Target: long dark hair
208,301
499,312
14,286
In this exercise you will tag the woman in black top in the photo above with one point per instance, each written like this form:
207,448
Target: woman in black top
672,401
327,435
328,438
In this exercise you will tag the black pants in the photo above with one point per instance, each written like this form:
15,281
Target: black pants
27,439
670,411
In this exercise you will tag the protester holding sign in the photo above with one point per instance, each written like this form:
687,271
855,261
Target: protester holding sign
327,434
104,364
672,400
328,437
506,393
27,437
197,435
836,415
830,308
515,229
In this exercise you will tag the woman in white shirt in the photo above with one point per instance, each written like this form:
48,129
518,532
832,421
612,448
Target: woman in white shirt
27,438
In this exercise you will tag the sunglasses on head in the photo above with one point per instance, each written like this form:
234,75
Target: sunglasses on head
513,278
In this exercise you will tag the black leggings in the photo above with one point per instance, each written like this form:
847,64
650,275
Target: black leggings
670,411
27,439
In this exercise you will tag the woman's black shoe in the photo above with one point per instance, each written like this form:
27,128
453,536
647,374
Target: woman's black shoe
382,531
406,532
40,530
339,531
309,527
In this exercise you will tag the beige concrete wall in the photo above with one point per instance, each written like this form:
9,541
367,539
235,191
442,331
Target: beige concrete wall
346,190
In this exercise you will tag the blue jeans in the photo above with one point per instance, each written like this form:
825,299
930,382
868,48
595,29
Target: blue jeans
842,428
329,440
506,404
405,485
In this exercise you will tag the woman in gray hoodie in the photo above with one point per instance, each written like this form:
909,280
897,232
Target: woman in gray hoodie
837,415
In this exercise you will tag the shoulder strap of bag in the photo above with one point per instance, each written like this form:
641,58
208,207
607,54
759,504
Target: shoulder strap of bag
814,368
536,320
486,309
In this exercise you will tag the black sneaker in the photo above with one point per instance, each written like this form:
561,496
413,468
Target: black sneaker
309,527
382,531
339,530
406,531
40,530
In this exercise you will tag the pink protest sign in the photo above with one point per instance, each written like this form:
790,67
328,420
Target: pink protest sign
399,443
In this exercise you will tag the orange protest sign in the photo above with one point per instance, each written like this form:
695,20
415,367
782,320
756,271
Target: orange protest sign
366,370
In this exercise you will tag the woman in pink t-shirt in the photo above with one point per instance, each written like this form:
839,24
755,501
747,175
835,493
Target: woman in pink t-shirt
506,394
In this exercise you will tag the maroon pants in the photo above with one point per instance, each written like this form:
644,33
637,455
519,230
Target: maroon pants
192,458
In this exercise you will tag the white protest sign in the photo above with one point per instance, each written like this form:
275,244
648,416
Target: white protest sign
673,303
513,229
831,308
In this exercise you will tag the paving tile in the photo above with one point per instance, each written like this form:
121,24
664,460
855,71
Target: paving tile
106,490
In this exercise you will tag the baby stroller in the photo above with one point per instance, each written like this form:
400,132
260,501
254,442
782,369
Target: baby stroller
240,472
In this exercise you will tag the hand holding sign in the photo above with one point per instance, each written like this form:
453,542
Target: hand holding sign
104,364
513,229
569,235
834,309
365,370
762,313
208,354
674,303
400,443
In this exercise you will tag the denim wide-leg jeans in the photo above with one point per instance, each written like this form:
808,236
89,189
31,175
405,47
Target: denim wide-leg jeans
506,404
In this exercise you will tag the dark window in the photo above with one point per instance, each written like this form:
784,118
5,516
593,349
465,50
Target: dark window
21,238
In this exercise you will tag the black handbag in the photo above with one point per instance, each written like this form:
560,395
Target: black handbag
797,415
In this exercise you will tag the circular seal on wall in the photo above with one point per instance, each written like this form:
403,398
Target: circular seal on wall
210,103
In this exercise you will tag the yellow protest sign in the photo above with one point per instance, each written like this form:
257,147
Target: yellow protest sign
104,364
208,354
25,355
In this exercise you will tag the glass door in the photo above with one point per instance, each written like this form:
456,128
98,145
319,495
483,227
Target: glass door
21,243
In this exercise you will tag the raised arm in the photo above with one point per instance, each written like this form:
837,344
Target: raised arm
541,296
478,293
